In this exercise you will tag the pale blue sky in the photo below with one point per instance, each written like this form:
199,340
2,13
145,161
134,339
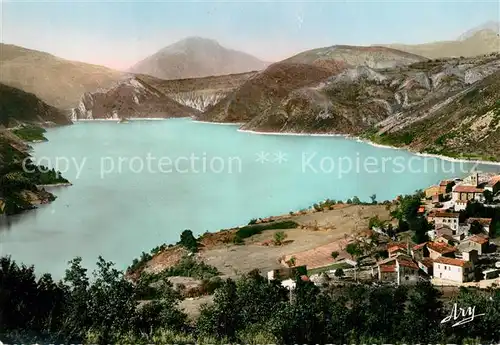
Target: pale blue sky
119,33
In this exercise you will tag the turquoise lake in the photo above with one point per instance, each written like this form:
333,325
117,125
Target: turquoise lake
138,185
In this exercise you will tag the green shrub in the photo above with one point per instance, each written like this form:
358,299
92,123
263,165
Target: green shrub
250,230
30,133
188,241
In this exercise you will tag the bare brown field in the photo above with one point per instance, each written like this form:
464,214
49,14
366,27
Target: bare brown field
320,234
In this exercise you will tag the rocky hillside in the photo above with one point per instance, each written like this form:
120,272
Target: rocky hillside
56,81
261,96
442,106
131,98
195,57
20,112
463,122
18,107
373,57
199,93
472,43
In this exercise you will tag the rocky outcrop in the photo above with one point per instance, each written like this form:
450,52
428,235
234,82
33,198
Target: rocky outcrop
361,98
265,98
131,98
199,100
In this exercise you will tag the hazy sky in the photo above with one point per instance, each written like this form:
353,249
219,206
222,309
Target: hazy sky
119,33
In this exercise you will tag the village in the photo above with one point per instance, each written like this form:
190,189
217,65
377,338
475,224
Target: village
459,247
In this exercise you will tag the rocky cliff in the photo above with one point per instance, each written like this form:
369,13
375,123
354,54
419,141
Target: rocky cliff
261,96
145,96
200,93
131,98
443,106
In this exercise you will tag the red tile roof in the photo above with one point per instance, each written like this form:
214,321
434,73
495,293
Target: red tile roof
467,189
445,183
427,262
447,237
407,263
494,180
387,268
304,278
452,262
447,215
478,239
392,247
419,246
421,209
441,248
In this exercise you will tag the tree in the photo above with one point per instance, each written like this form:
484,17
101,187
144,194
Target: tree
339,273
373,198
356,201
291,261
279,237
334,255
188,241
419,226
475,228
488,196
423,314
354,250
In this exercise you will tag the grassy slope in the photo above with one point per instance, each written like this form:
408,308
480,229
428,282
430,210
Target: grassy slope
56,81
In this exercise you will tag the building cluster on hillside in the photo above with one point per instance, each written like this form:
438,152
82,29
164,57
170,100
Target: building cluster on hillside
456,243
458,248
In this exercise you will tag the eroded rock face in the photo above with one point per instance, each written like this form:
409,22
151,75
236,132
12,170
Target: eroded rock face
361,98
131,98
146,96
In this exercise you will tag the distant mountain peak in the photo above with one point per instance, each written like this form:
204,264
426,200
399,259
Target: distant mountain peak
491,25
194,57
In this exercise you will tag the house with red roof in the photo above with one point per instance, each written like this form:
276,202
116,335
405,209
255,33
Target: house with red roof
439,249
449,219
493,184
400,269
456,270
477,242
396,248
467,193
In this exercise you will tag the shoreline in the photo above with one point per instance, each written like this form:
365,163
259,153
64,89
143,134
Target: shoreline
219,123
333,135
128,119
374,144
66,184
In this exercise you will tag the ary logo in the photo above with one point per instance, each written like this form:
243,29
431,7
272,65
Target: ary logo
463,315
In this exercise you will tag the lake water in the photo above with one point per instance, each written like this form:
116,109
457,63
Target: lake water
138,185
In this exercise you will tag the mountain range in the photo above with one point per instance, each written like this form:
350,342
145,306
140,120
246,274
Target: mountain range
385,94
